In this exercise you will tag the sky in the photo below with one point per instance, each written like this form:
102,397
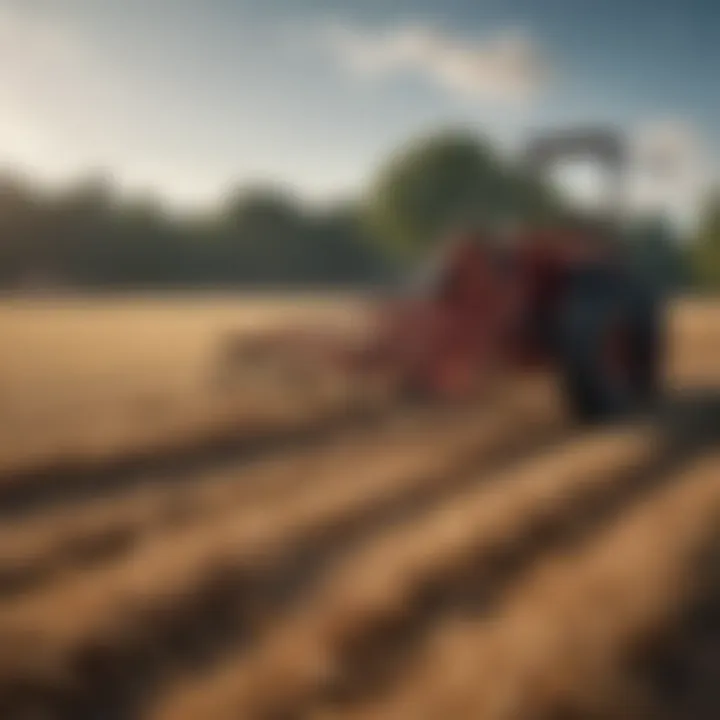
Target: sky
187,98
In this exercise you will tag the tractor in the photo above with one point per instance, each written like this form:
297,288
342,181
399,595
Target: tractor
491,303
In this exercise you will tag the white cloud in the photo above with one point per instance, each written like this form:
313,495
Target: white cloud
507,67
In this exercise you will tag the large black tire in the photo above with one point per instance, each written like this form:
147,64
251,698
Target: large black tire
598,303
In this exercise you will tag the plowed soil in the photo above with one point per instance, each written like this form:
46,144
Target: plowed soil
485,561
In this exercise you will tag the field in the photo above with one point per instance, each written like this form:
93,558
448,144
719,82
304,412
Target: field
168,551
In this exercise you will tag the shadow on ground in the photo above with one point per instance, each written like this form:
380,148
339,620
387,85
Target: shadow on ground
692,417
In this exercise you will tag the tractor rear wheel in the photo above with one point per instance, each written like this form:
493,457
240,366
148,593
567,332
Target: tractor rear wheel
609,346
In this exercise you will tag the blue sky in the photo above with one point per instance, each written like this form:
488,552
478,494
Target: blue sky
187,97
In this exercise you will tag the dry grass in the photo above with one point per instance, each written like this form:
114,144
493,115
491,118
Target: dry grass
694,344
98,379
101,377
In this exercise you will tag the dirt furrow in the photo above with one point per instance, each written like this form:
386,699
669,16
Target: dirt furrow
560,644
676,672
370,613
227,438
37,549
95,644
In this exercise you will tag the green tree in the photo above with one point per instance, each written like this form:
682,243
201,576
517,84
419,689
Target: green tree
263,231
338,249
21,252
443,179
76,235
706,248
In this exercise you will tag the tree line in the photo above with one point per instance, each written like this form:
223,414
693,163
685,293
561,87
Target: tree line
87,236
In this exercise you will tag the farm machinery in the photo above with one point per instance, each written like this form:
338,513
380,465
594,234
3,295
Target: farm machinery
491,305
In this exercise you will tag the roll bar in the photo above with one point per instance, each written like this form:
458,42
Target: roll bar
606,146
